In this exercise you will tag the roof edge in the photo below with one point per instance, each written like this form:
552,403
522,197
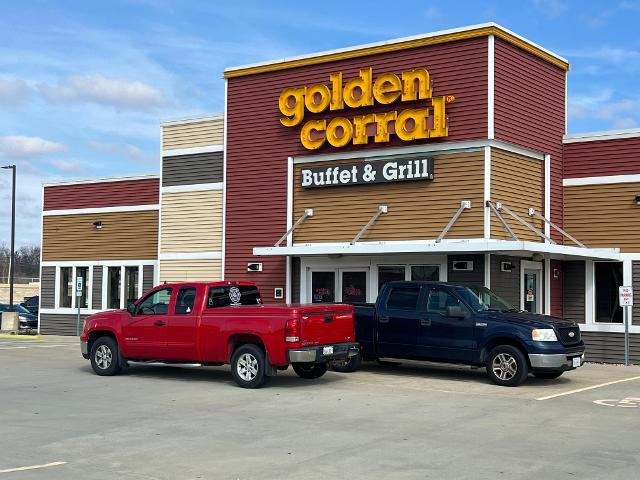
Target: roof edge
199,118
602,135
78,181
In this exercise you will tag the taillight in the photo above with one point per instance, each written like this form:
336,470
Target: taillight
292,330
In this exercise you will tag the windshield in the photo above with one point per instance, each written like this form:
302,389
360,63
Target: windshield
481,299
16,308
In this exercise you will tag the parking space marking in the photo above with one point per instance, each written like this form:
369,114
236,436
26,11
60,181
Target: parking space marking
6,346
32,467
571,392
629,402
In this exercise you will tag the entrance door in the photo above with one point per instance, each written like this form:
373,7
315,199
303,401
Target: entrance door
531,287
323,287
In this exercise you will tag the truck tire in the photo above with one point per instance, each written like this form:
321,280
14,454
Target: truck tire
248,366
348,366
547,375
105,357
310,370
507,366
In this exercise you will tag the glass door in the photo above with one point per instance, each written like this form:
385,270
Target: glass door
532,294
353,286
323,287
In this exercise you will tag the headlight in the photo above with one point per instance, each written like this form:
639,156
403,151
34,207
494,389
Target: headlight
23,319
544,335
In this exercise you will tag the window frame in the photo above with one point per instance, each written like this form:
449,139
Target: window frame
88,285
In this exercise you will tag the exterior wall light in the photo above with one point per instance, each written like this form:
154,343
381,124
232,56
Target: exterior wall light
637,199
97,225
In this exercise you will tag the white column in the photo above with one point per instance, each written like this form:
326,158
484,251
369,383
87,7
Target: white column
547,286
487,270
487,192
589,292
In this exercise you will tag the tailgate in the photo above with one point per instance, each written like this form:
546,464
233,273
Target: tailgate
326,324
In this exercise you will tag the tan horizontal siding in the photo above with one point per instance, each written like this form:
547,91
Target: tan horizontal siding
123,236
190,270
417,209
191,221
196,134
604,215
518,182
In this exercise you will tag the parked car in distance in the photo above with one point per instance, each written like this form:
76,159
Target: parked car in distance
218,323
32,304
443,322
27,320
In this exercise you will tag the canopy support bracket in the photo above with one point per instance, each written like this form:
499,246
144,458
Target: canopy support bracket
308,212
494,209
534,213
464,204
381,209
527,224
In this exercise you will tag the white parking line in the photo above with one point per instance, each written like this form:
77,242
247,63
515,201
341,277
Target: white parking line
32,467
22,346
571,392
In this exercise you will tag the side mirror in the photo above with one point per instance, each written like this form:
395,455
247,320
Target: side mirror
131,308
456,312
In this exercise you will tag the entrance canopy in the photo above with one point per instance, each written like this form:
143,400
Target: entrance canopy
506,247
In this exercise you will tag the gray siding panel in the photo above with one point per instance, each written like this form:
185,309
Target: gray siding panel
506,284
48,287
59,324
605,347
295,280
473,278
573,278
636,293
96,288
147,277
192,169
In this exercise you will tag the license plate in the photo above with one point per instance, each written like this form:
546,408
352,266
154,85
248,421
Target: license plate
327,350
576,362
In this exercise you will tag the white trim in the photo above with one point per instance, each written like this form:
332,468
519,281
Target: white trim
566,102
547,286
547,194
394,41
487,192
487,270
449,147
186,120
491,89
602,135
589,292
90,263
213,255
213,148
77,181
287,280
197,187
98,210
68,311
224,181
156,279
537,267
608,327
41,245
290,189
602,180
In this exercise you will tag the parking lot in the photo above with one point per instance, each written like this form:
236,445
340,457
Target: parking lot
60,421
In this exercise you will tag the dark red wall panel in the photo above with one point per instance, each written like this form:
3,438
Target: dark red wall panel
602,157
102,194
258,145
557,293
530,110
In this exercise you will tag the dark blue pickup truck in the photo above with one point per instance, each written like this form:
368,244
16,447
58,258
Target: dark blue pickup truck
450,323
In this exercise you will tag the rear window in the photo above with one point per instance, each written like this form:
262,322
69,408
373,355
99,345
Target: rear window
233,295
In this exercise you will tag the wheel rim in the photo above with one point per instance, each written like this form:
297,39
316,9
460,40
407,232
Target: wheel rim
247,367
103,357
504,366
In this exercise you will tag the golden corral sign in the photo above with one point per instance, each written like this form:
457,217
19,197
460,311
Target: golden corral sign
363,91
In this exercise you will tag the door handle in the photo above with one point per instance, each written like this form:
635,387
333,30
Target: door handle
425,322
159,323
383,319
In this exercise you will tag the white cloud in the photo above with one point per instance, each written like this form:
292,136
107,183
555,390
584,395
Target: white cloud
68,166
17,146
96,88
127,151
550,8
605,107
13,91
607,53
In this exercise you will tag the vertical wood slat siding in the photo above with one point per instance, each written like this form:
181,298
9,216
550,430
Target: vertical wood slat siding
96,293
194,134
557,290
604,215
602,157
124,236
417,209
190,270
192,221
147,277
258,145
530,111
192,169
474,277
635,272
516,181
48,287
102,194
573,284
606,347
506,284
60,324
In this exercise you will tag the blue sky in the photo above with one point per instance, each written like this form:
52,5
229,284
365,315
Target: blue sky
84,85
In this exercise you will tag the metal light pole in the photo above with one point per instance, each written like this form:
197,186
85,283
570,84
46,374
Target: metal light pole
13,234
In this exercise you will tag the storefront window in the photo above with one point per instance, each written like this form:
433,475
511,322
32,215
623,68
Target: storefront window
82,272
354,287
65,287
608,277
113,287
425,273
130,284
323,285
389,273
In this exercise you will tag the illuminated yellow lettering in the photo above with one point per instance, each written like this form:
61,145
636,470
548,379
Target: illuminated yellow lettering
339,132
357,91
387,88
336,91
382,124
291,105
317,98
312,134
415,85
412,124
440,128
360,123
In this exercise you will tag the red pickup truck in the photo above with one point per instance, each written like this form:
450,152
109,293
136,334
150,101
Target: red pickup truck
218,323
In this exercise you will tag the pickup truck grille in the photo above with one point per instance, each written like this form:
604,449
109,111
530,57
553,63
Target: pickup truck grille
569,335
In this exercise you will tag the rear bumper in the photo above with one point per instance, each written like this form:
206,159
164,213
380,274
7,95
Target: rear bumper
323,353
556,361
84,348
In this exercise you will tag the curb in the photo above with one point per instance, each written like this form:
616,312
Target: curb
11,336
